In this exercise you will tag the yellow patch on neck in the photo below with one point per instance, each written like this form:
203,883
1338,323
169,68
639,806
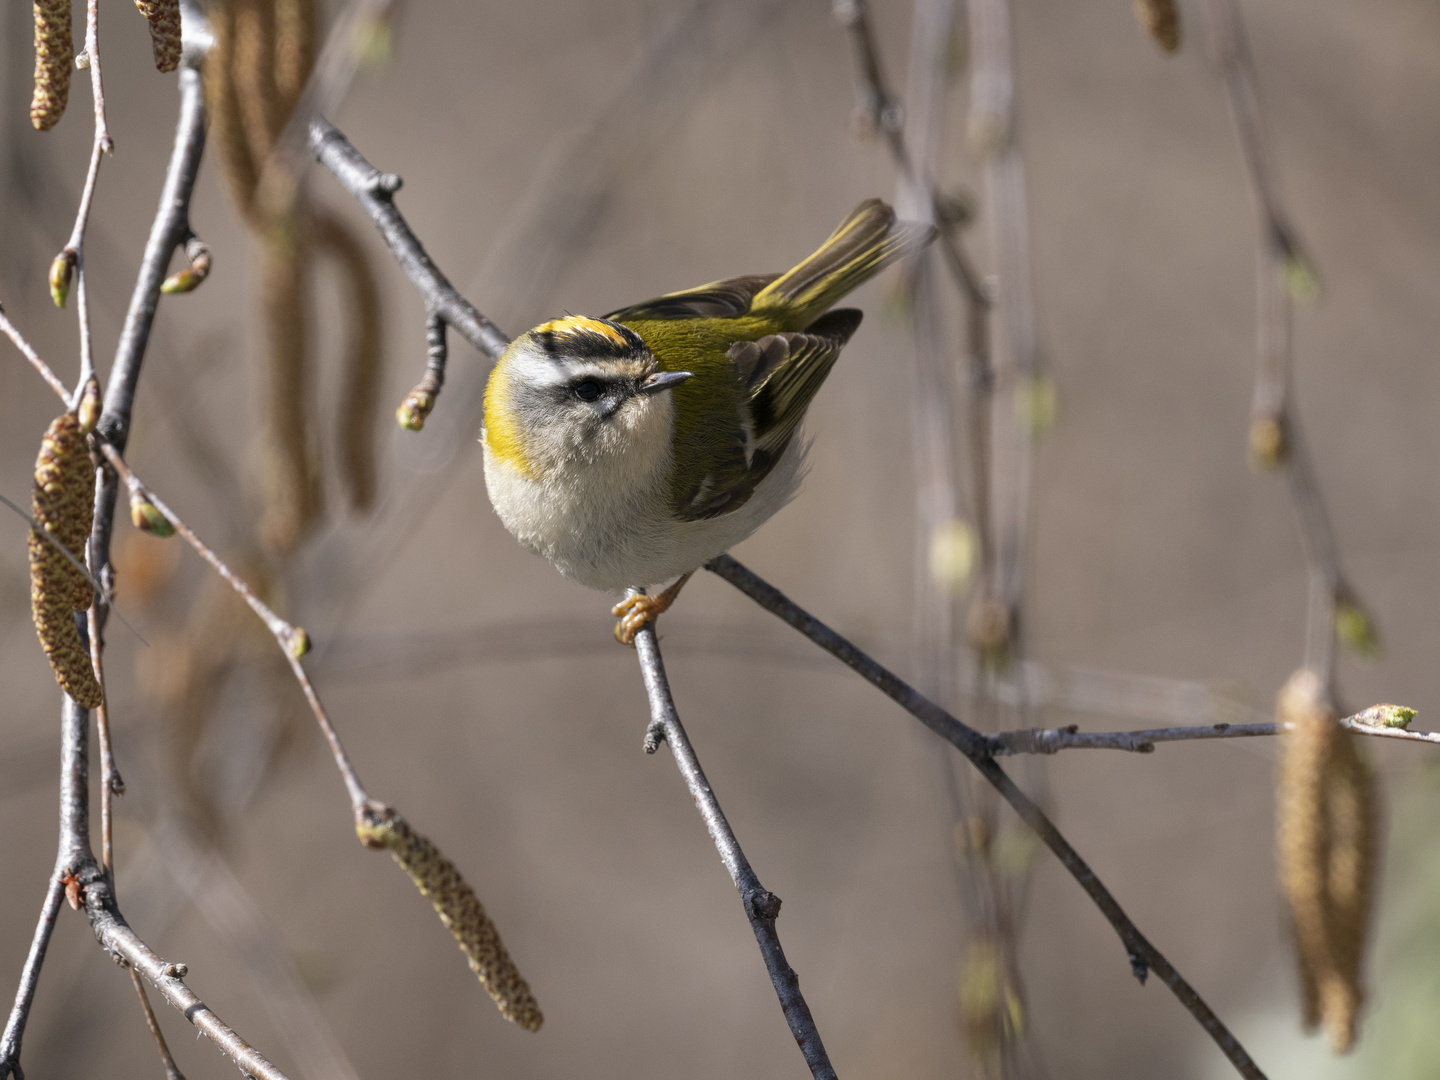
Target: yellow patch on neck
502,434
582,324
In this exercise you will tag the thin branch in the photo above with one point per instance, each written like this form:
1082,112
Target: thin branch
172,1071
762,908
91,59
168,231
881,108
1144,957
74,250
46,373
292,639
110,782
375,192
1052,740
29,979
1283,271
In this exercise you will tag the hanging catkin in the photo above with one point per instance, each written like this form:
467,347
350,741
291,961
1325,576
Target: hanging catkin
54,60
164,19
1326,835
459,909
63,504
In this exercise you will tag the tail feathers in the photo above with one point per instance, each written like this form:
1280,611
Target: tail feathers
866,242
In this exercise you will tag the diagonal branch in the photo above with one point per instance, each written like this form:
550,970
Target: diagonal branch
762,908
375,192
1144,957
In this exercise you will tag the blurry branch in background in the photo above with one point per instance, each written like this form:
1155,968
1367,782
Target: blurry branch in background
949,553
1284,275
977,748
762,908
1326,827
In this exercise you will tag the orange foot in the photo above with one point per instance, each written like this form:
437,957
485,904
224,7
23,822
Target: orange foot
635,611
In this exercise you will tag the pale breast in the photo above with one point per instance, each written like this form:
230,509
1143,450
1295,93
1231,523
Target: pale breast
610,529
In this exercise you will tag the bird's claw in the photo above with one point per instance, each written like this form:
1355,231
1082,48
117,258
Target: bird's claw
639,608
634,612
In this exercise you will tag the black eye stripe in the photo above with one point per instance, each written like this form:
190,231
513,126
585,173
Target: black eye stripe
588,390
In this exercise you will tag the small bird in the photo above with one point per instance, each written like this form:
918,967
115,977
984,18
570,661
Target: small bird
633,448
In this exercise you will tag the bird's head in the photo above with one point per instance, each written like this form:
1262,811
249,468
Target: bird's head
574,391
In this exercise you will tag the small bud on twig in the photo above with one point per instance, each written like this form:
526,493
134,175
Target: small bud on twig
1302,281
953,547
54,58
62,270
1355,628
87,413
988,626
458,907
147,518
1037,401
189,278
1161,20
1385,716
1269,444
296,641
415,408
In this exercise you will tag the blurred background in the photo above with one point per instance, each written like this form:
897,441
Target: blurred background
569,156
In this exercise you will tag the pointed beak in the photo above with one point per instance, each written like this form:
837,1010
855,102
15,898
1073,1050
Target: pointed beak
662,380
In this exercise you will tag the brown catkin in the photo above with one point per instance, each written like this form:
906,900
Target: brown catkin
363,356
54,60
1326,829
222,103
459,909
1161,20
63,503
294,50
252,69
291,479
164,19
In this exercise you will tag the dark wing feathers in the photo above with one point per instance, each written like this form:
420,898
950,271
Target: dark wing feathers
719,300
781,373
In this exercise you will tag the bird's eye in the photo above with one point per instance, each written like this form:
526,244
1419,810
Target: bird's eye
588,390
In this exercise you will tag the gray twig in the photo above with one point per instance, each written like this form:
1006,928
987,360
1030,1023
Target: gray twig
29,979
880,108
168,231
1053,740
46,372
74,249
172,1071
375,192
976,747
762,908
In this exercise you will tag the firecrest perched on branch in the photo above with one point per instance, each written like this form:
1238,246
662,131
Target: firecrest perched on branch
633,448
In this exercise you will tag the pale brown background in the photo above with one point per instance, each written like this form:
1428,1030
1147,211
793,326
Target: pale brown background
1157,550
